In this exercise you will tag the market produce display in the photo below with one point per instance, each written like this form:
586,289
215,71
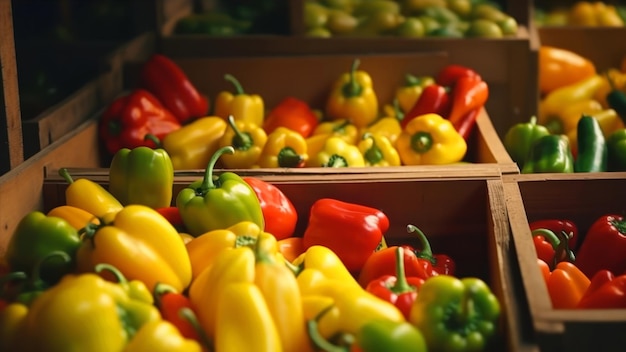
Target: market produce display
580,121
581,13
146,279
429,121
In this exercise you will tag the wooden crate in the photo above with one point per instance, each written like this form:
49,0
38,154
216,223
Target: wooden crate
582,198
463,217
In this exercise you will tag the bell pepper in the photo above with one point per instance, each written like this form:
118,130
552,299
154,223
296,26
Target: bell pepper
468,93
594,14
90,196
169,83
456,314
566,284
604,246
128,119
411,89
613,79
450,74
435,99
397,289
382,263
353,98
142,176
339,128
336,152
12,320
377,150
279,212
608,120
551,248
388,125
291,248
616,99
22,287
430,140
326,263
34,238
248,108
566,120
519,139
551,107
294,114
560,67
592,152
606,291
353,231
284,148
204,248
549,153
142,244
247,139
172,215
467,123
76,217
557,226
192,145
162,336
211,204
616,145
442,264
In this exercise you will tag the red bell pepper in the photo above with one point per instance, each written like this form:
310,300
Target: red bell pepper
467,124
442,263
450,74
383,262
128,119
278,210
167,81
606,291
604,246
172,214
551,248
397,289
434,99
352,231
294,114
557,226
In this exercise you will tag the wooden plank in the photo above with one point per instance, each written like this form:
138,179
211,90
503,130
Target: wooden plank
11,118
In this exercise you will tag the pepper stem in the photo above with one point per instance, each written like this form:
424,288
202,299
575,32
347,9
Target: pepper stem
341,126
318,340
426,251
562,253
397,111
121,279
241,140
373,154
160,290
207,182
189,315
336,160
287,157
65,173
238,88
154,139
401,285
421,142
352,88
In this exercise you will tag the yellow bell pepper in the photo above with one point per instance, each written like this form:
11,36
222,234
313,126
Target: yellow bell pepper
245,322
249,108
284,148
161,336
388,126
430,140
377,150
90,196
594,14
248,140
567,119
617,77
192,145
12,319
205,292
609,122
142,244
204,249
339,128
313,305
85,313
353,97
326,262
410,91
76,217
337,153
558,99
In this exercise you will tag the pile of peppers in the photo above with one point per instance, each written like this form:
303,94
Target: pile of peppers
580,125
429,121
219,266
583,270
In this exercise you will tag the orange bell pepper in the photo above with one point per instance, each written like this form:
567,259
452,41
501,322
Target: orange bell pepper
559,67
566,284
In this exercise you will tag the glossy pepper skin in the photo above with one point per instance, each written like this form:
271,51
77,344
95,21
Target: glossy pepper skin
176,308
142,176
388,125
343,128
430,140
442,264
353,231
469,93
169,83
211,204
551,248
410,90
35,237
592,155
519,139
566,284
378,151
442,313
604,246
557,226
559,67
76,217
606,291
435,99
383,263
292,113
192,145
548,154
279,212
128,119
336,152
284,148
616,149
353,98
249,108
248,140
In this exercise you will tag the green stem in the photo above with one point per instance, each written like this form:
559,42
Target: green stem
121,279
287,157
154,139
65,173
397,112
318,340
191,318
336,160
401,285
562,253
421,142
341,126
426,251
352,88
241,140
238,88
207,182
373,154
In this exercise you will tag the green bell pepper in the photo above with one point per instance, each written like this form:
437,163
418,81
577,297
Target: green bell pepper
211,204
32,286
592,149
35,237
550,153
616,145
143,176
456,314
519,139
